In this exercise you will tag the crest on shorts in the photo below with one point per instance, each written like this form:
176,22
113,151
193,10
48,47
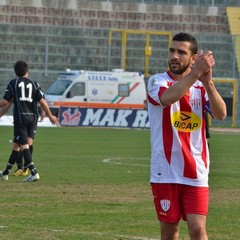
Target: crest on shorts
165,204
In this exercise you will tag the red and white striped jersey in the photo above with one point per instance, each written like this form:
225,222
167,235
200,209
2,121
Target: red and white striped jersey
179,151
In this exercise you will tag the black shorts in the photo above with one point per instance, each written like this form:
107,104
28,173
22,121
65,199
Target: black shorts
23,132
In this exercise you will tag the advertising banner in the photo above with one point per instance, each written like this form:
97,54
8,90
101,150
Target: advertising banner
103,117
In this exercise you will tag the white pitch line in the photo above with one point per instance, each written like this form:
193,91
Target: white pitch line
107,234
102,234
118,161
136,238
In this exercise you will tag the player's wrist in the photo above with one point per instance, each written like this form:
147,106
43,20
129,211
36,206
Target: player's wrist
196,74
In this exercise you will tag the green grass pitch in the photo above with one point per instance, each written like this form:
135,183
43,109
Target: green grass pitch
95,186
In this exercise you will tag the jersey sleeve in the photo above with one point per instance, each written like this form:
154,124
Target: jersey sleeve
9,93
39,92
156,87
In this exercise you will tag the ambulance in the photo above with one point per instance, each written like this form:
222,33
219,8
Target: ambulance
96,89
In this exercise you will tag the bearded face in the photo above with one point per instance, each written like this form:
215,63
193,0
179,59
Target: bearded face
180,58
177,67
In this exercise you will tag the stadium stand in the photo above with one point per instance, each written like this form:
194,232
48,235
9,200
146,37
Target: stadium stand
55,35
72,34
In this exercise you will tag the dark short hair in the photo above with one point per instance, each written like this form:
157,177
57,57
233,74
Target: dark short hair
186,37
20,68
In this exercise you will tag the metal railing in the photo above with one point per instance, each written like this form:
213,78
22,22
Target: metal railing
218,3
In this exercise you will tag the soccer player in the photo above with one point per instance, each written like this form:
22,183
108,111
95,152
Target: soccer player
25,94
22,169
179,150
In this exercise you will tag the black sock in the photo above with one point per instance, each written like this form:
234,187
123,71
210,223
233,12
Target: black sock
31,149
12,159
32,168
25,164
28,160
19,160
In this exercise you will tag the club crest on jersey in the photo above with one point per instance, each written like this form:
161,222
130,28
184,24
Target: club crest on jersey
196,103
165,204
185,121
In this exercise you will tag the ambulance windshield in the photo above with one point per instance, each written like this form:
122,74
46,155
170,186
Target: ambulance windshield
58,87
